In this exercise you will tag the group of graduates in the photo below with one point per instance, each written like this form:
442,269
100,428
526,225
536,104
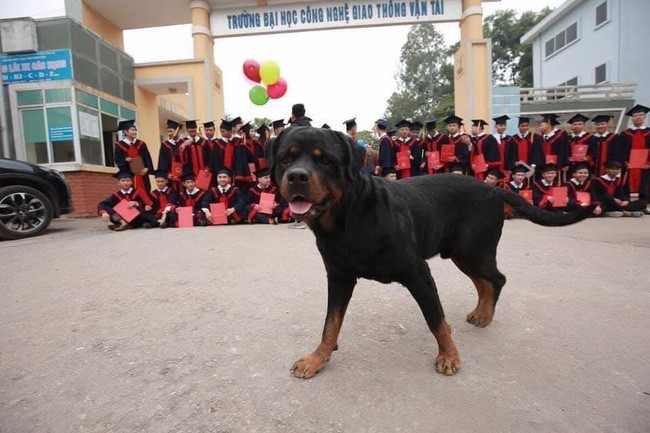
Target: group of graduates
195,173
553,168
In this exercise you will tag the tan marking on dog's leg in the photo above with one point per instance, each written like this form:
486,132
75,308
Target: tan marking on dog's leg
482,315
448,359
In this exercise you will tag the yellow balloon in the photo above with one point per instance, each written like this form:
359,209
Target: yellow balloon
270,72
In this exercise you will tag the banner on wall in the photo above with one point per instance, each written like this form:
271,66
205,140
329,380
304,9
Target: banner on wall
332,14
54,65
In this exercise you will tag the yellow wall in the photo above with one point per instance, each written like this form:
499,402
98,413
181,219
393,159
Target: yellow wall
103,27
148,124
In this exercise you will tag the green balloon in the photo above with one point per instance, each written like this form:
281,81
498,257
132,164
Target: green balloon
258,95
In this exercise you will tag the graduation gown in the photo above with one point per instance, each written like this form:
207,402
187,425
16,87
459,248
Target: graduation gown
195,155
387,158
253,198
243,175
196,200
527,148
556,144
403,145
583,139
160,200
606,147
434,144
138,148
106,206
214,156
637,178
172,156
417,148
606,189
486,145
231,197
461,151
541,191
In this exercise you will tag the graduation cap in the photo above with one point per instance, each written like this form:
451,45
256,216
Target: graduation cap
523,119
579,166
501,120
382,123
262,172
188,175
520,169
403,124
236,121
326,126
602,118
190,124
123,125
453,119
225,124
578,118
278,123
262,129
431,123
496,173
391,131
160,173
479,122
349,124
550,118
209,124
225,171
551,166
613,163
172,124
416,126
246,128
638,108
123,174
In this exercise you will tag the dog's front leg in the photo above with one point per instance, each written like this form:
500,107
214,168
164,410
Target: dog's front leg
338,297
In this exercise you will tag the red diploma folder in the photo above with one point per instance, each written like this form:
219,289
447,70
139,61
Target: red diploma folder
527,194
266,203
185,218
638,158
218,211
404,159
177,171
262,162
253,169
551,159
447,152
560,195
433,161
584,198
128,214
579,152
479,164
203,180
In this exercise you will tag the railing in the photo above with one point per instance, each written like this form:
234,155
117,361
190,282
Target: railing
594,92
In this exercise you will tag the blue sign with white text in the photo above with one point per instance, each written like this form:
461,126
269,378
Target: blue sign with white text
61,133
52,65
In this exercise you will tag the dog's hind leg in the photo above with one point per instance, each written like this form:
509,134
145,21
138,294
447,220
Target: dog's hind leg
339,292
423,288
482,270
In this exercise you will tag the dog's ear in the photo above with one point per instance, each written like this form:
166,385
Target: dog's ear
353,156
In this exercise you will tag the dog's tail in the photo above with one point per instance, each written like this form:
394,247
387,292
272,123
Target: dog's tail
541,216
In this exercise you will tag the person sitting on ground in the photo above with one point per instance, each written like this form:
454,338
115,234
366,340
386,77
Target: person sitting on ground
580,185
190,196
136,199
254,213
613,196
542,190
161,197
521,175
230,196
494,177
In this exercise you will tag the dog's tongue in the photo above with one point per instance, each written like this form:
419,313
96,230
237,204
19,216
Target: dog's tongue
300,207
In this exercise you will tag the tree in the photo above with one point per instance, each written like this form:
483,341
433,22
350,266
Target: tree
512,62
425,81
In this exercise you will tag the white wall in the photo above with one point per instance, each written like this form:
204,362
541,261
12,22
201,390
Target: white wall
635,39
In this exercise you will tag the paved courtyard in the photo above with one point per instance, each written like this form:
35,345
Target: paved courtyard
196,330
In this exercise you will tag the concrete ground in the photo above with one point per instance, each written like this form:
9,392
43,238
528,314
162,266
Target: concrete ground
195,331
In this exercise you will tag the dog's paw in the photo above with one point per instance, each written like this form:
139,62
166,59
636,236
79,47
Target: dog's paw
308,366
480,318
447,364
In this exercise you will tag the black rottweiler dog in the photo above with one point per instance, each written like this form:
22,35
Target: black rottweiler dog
368,227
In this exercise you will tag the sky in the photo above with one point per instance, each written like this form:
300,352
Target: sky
337,74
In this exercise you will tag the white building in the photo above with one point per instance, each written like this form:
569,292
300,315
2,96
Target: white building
587,42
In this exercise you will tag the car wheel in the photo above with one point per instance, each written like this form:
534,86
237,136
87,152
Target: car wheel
24,212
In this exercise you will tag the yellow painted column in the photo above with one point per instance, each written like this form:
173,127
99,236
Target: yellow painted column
201,33
472,76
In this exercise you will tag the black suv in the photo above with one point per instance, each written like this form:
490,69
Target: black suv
30,196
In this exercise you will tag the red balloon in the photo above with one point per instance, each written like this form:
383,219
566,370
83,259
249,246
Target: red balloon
277,89
252,70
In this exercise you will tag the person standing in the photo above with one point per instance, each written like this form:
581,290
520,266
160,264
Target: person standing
604,142
129,150
637,136
170,158
462,145
433,142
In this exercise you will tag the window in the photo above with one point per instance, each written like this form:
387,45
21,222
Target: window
562,39
572,82
601,14
560,93
601,73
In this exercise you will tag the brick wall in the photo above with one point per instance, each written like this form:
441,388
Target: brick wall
88,189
